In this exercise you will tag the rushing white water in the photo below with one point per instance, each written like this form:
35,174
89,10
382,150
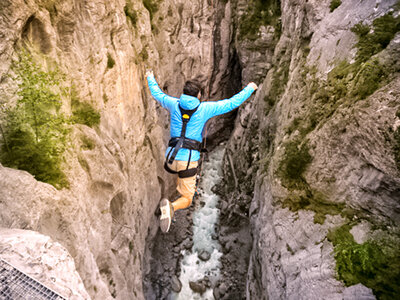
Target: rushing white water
204,221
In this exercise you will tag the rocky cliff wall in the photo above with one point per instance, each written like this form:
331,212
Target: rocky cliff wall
313,156
114,169
40,258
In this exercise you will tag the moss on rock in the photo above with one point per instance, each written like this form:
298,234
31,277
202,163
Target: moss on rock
373,41
312,200
334,4
294,163
83,112
259,13
374,263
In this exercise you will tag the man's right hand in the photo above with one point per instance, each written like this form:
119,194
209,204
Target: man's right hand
253,85
149,73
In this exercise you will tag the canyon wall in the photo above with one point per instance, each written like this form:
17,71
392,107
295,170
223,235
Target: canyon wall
312,164
113,168
314,156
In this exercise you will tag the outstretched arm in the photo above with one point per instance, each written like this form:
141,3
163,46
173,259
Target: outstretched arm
166,101
223,106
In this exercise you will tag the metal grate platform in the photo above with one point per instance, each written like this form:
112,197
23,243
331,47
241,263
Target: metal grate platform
15,285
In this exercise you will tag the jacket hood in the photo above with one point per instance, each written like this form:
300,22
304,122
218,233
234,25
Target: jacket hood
188,102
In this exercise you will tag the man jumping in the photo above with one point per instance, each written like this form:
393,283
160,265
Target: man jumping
187,119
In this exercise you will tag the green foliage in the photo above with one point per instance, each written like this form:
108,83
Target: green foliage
110,61
355,81
375,264
130,13
372,42
339,79
363,77
35,131
83,112
368,79
334,4
151,6
260,12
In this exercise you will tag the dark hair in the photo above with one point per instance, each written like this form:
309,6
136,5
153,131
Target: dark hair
192,88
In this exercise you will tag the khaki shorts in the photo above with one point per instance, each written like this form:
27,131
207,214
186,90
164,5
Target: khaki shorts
185,186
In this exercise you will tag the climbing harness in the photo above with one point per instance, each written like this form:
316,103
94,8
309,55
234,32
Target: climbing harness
177,143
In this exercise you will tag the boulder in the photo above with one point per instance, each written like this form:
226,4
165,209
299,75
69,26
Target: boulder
204,255
176,284
197,286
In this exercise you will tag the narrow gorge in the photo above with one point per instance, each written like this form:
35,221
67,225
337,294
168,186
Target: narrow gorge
309,200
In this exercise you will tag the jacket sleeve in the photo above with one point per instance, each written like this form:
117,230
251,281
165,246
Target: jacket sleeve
215,108
166,101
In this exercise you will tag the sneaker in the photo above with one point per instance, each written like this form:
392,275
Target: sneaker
167,213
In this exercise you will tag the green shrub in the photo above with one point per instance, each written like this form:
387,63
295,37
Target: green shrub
110,61
375,264
295,161
334,4
35,131
368,79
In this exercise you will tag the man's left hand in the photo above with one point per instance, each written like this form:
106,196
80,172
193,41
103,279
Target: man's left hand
149,73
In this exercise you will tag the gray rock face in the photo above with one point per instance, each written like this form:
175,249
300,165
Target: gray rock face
43,260
352,163
103,219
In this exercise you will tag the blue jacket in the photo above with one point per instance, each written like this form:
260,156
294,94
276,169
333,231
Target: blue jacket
206,111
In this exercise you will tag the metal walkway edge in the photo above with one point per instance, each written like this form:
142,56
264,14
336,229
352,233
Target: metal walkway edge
16,285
